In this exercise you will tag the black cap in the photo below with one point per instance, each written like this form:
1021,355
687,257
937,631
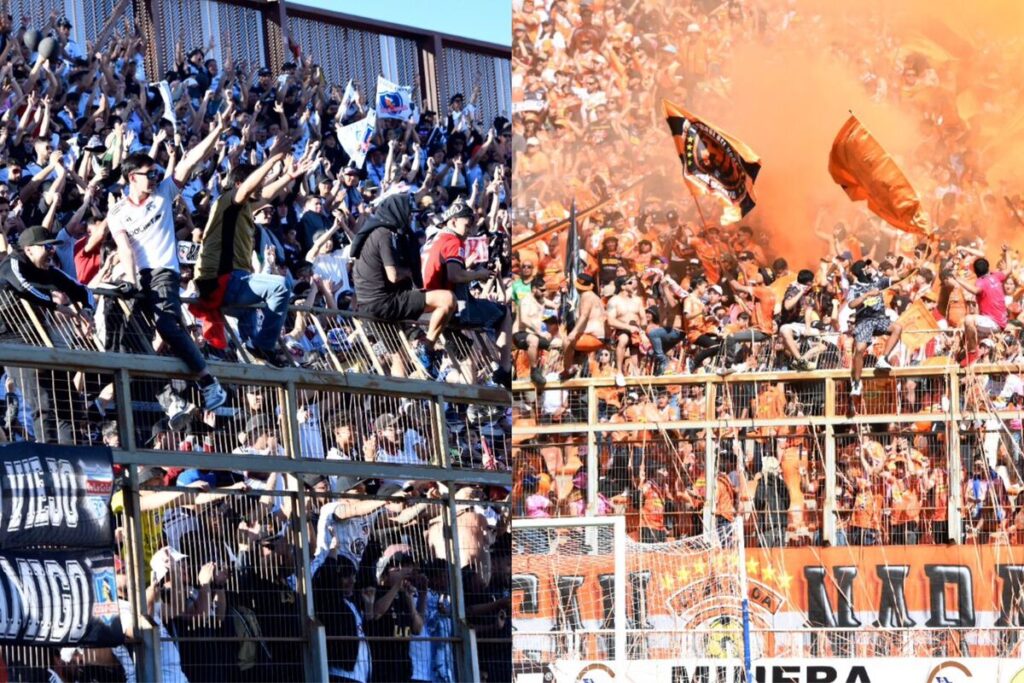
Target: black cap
458,209
264,72
36,236
63,21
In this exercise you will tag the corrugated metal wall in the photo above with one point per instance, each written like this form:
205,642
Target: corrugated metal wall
343,52
462,69
244,29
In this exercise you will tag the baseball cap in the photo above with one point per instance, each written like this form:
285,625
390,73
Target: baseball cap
64,21
147,473
95,144
36,236
458,209
395,556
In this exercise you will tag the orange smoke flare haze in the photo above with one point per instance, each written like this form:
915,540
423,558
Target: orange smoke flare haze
786,93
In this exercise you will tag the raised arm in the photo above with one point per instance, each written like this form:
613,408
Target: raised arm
199,153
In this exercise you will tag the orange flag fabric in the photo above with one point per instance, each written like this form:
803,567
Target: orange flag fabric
919,326
865,170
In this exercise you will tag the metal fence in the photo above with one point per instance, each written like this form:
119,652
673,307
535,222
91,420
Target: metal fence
894,465
351,456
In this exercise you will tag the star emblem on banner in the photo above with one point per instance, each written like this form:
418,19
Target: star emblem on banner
752,566
784,580
768,573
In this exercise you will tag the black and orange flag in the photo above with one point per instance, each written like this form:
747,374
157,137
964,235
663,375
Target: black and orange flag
865,170
714,163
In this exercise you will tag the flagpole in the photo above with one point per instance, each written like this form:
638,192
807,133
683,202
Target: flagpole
700,211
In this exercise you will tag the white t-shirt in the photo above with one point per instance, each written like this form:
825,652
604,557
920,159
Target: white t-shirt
150,227
333,267
352,534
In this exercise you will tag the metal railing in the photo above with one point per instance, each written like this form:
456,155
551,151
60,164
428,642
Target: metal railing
727,642
961,413
449,446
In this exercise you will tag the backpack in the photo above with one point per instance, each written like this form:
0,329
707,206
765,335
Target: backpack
244,624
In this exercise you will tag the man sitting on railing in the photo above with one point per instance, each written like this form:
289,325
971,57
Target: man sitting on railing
224,270
386,271
142,224
988,290
448,268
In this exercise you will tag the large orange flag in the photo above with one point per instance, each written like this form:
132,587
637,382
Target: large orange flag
866,171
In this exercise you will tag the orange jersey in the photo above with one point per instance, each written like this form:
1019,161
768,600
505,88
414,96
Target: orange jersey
725,498
652,510
906,504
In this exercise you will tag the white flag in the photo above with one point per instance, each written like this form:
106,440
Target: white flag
393,101
164,88
348,99
355,137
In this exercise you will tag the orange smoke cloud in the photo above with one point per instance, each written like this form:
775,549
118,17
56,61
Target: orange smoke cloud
788,97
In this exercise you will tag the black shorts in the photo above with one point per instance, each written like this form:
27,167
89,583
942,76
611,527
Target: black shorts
521,340
407,305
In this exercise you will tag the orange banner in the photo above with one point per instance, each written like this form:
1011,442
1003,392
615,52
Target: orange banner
866,171
935,586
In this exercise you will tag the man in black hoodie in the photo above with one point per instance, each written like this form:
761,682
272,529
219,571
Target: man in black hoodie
387,273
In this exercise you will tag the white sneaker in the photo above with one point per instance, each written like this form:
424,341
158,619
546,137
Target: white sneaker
855,387
620,380
214,396
178,415
882,364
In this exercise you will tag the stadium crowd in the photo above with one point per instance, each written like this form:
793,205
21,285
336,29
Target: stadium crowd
198,205
678,287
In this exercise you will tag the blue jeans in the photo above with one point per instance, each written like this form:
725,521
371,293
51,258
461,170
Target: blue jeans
662,341
247,289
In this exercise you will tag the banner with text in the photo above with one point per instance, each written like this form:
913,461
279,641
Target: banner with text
884,670
680,594
58,598
55,496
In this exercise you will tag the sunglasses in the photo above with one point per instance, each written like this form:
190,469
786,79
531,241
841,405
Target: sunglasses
151,174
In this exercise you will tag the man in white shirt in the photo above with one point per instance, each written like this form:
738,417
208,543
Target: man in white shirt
142,224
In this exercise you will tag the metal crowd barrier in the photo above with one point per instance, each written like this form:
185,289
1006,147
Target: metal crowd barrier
456,440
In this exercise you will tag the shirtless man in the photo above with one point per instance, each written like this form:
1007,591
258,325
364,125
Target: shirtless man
474,534
628,319
529,333
591,328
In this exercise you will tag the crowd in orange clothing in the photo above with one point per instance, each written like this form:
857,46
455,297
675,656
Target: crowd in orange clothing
671,290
